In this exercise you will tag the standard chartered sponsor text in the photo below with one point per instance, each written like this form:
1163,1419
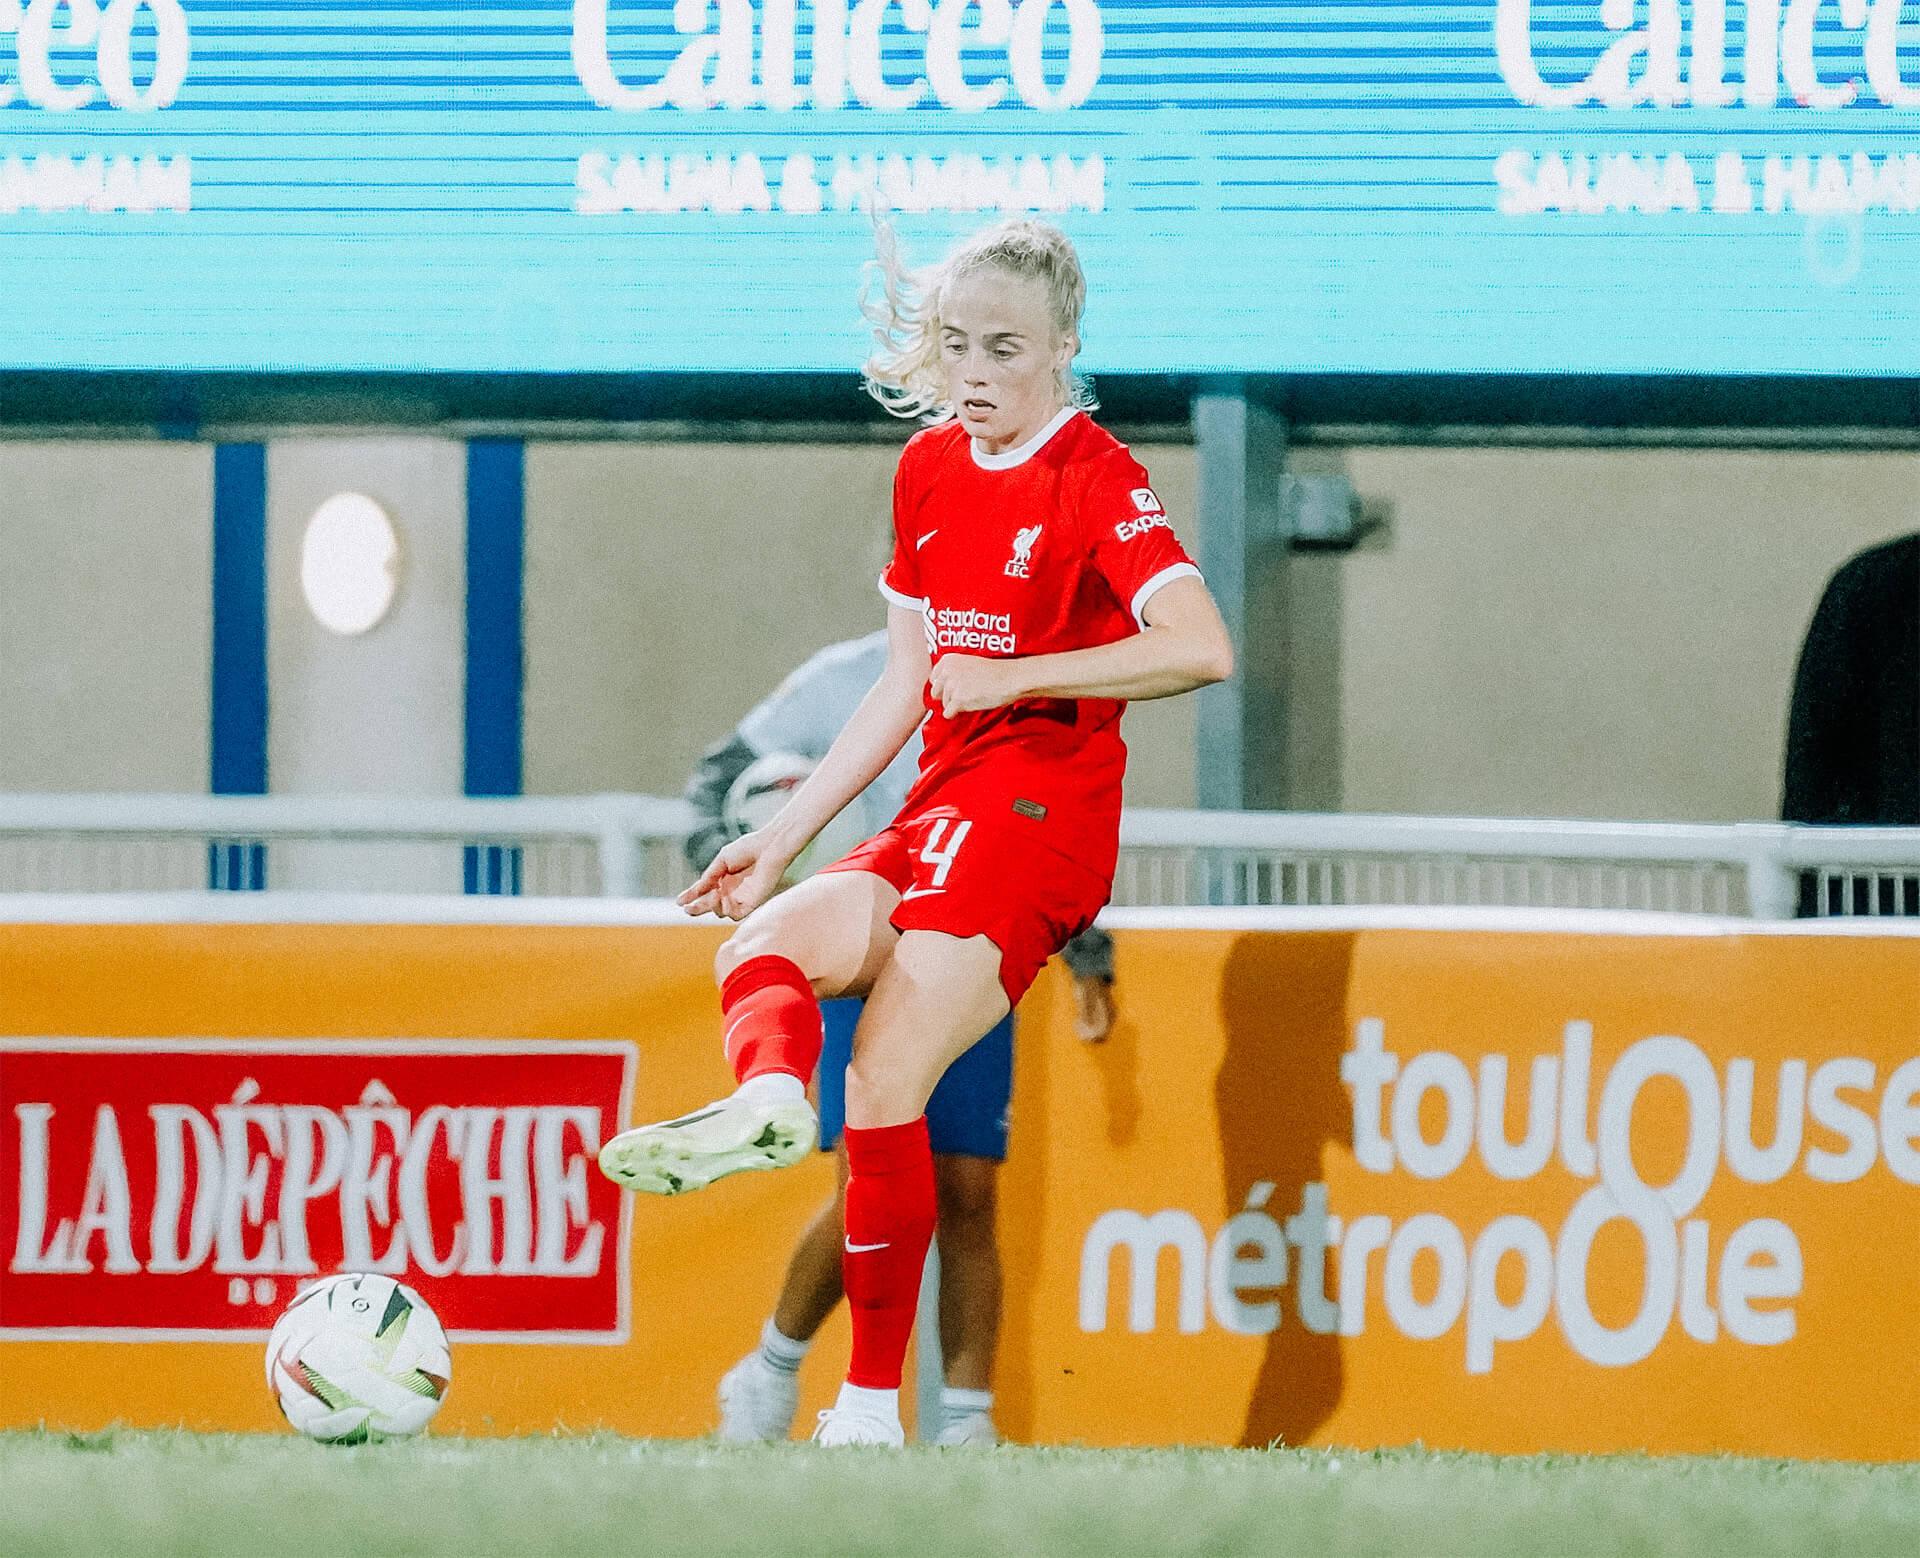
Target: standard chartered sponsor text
963,627
521,1173
1346,1272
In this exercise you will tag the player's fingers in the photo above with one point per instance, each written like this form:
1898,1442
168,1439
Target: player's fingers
752,892
707,882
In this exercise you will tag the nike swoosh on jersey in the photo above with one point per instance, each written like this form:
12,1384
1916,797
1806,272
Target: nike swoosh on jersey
862,1249
926,538
921,892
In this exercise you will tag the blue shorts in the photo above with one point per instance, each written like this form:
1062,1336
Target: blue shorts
967,1114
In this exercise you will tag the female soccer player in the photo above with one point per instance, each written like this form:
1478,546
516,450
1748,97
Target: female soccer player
1035,586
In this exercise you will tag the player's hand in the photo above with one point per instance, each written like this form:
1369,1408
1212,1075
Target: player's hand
1092,1008
742,876
967,684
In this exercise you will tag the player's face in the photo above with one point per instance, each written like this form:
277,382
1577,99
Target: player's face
1002,356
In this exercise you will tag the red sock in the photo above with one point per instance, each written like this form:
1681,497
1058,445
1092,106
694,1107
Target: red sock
890,1216
772,1019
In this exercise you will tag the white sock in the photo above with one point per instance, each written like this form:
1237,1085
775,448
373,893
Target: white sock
779,1351
871,1403
956,1403
773,1087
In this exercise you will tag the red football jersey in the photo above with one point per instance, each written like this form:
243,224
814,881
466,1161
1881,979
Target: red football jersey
1056,545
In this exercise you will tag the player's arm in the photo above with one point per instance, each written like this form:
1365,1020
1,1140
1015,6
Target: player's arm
1183,645
745,873
889,713
783,721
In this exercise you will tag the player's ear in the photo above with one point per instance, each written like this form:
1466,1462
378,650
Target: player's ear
1068,349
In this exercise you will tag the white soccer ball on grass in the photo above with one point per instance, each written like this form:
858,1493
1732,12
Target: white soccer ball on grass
358,1357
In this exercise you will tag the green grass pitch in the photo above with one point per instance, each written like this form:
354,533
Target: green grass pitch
127,1493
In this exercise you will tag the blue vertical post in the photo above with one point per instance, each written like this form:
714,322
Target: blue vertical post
496,579
238,717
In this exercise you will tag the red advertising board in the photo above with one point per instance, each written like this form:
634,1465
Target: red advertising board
184,1189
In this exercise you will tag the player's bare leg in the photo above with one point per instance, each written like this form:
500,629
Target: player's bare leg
828,936
837,926
932,1001
813,1285
968,1194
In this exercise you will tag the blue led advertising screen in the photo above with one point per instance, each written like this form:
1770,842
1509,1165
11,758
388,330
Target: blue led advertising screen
1630,186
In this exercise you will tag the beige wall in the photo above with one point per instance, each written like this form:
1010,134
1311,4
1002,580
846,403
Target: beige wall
1600,634
380,712
1607,633
106,559
671,586
1603,633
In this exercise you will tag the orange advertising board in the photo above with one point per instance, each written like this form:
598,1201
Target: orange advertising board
1331,1182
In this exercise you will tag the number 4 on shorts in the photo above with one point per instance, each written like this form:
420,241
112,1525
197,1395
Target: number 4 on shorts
942,859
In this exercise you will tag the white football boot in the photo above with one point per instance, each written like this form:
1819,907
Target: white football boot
757,1402
972,1430
739,1132
843,1426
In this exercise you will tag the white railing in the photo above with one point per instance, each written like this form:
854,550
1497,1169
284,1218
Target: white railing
629,846
1355,858
621,846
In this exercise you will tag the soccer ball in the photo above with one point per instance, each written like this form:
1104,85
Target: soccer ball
763,788
358,1357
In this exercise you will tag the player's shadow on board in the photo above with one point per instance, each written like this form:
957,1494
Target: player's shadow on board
1281,1106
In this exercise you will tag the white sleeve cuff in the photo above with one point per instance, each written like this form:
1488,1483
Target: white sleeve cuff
1147,591
894,597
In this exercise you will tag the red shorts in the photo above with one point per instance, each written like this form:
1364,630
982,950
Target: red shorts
971,876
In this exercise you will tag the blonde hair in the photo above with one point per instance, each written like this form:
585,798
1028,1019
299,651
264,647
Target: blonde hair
904,372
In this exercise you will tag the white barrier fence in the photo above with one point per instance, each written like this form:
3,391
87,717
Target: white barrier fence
629,846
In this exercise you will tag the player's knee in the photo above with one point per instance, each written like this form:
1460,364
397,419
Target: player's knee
866,1095
879,1095
730,956
757,937
968,1191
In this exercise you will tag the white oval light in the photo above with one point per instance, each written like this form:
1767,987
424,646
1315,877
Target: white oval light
350,563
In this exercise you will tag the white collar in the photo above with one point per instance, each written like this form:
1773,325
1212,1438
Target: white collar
1007,460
